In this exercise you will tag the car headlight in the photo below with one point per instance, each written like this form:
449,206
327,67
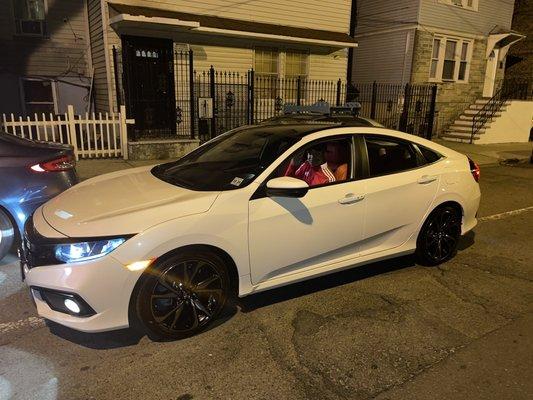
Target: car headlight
84,251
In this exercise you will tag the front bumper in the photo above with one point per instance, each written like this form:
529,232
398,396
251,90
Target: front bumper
104,284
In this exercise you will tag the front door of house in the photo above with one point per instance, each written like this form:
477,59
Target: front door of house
490,74
148,66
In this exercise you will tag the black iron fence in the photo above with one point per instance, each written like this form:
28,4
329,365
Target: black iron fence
211,102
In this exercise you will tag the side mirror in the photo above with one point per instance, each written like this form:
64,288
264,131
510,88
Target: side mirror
286,186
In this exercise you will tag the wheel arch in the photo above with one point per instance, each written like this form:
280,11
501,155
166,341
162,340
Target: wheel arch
229,262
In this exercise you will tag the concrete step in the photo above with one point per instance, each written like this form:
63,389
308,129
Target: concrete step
458,137
462,129
479,106
474,112
461,123
483,100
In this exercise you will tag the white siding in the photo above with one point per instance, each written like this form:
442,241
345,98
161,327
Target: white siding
331,15
376,15
97,51
491,13
64,52
384,57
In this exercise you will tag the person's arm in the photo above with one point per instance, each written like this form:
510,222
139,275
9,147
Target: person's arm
341,174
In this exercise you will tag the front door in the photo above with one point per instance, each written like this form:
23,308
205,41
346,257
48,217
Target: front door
149,86
292,235
490,74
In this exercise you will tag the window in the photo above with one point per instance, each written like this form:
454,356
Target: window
429,155
466,4
266,66
320,163
450,59
30,17
387,155
230,161
38,96
296,64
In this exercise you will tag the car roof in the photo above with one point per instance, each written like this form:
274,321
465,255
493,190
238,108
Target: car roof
322,119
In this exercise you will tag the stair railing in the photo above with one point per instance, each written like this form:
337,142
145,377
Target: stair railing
510,90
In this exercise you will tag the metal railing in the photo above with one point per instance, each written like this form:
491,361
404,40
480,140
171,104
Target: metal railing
510,90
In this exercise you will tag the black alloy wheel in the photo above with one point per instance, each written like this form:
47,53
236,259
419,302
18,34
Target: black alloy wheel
182,295
439,237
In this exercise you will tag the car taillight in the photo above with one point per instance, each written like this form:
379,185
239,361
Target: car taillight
63,163
474,169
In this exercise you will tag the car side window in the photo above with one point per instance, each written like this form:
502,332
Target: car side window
429,155
320,163
387,155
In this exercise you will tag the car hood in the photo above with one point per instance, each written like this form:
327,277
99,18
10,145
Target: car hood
124,202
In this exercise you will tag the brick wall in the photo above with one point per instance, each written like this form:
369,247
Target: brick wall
452,98
523,50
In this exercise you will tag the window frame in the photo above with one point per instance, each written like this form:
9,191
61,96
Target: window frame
363,150
18,26
464,4
306,54
25,103
459,41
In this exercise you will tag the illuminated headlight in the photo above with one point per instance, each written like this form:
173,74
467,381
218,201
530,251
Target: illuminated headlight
84,251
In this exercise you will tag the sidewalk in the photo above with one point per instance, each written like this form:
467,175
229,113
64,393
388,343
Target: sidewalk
482,154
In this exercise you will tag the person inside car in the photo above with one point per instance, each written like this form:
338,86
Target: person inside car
315,172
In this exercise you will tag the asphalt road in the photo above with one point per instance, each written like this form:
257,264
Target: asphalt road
389,330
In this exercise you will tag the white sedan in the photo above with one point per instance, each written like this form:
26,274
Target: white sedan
164,247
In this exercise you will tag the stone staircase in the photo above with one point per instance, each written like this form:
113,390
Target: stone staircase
461,129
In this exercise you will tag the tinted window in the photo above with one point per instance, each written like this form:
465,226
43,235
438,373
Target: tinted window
429,155
230,161
387,155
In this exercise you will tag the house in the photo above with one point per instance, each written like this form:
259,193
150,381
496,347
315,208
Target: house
520,57
459,45
154,54
46,58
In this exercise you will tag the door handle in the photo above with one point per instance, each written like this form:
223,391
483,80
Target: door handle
427,179
351,198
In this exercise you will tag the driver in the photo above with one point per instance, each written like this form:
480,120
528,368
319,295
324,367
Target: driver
335,169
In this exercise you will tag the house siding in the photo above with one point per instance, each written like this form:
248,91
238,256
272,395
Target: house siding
491,13
237,55
62,53
379,15
384,57
96,32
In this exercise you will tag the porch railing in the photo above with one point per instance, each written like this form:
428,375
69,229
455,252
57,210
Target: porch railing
510,90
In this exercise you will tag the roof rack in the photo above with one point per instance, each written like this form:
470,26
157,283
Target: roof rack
323,108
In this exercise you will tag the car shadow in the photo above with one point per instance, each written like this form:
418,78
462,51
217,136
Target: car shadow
130,337
278,295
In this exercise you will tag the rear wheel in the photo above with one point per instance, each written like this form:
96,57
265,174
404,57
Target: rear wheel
7,234
182,295
439,236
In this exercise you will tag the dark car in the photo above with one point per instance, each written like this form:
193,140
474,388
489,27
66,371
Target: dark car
31,173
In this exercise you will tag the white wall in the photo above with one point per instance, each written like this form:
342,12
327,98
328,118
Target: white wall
514,124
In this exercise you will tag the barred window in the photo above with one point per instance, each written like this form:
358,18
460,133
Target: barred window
266,61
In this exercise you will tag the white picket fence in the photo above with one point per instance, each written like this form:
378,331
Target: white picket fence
92,135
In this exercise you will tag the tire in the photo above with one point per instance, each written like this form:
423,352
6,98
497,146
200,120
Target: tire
7,234
182,295
439,237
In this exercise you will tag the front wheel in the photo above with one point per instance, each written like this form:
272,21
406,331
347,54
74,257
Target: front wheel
7,234
182,295
439,236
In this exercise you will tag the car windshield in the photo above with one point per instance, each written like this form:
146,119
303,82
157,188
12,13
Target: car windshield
228,162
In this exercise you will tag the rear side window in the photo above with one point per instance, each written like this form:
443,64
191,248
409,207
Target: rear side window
429,155
388,155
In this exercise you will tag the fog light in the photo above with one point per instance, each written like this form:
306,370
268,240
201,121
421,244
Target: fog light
72,306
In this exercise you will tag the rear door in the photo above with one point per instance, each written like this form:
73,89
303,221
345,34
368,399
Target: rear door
399,191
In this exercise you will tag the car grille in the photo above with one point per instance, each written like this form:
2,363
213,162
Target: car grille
36,249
